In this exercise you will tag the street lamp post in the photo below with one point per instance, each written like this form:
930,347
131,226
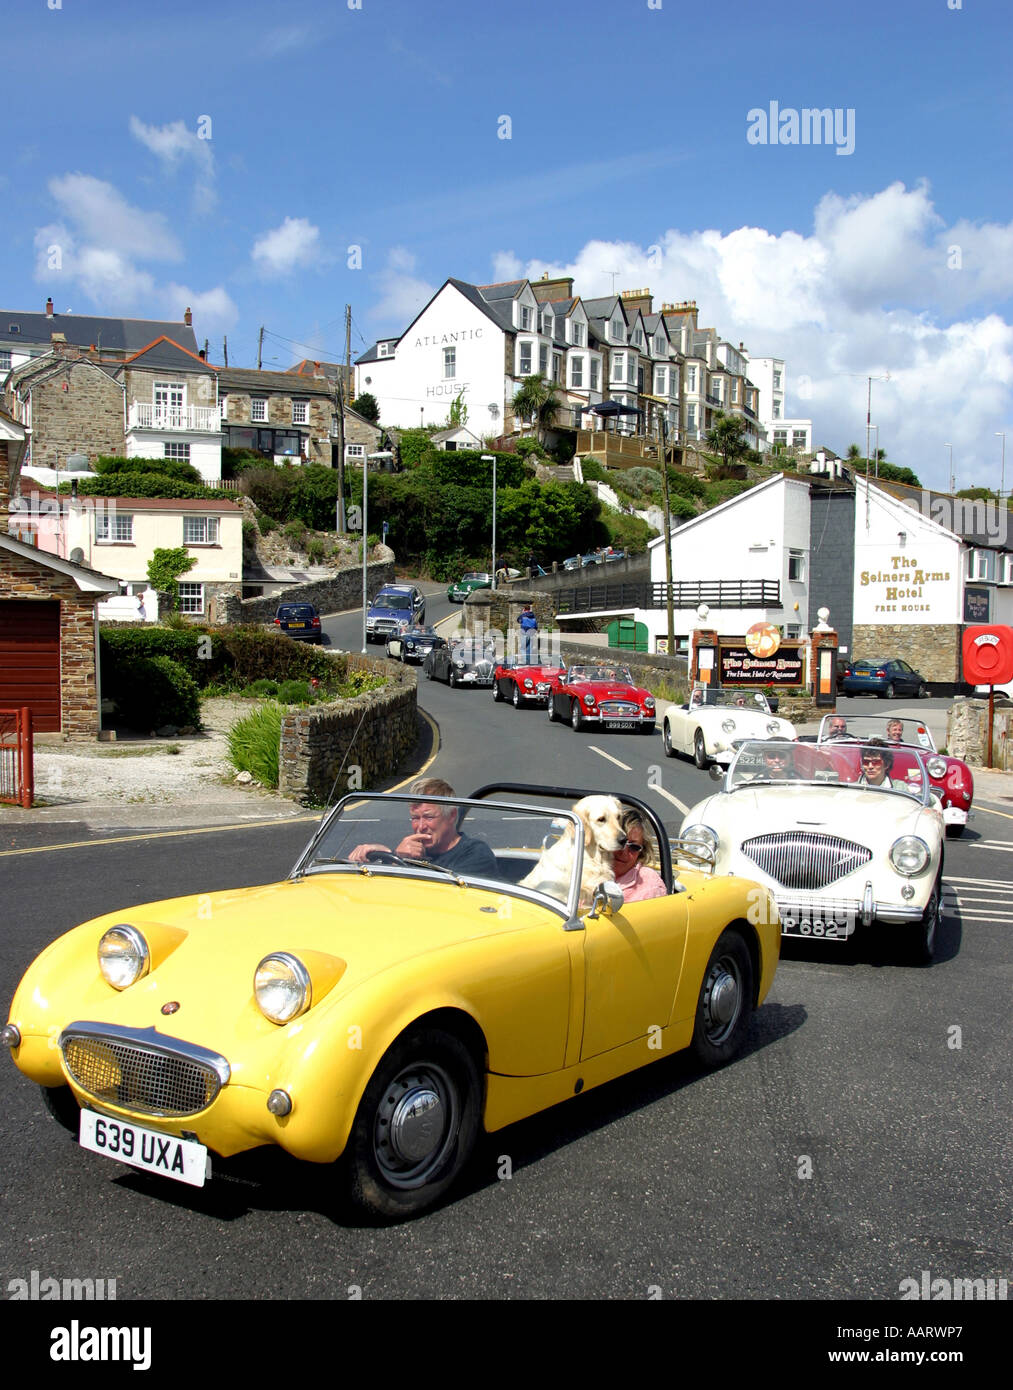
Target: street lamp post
384,454
662,418
1002,468
491,458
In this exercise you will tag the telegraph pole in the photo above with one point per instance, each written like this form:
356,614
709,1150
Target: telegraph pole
260,349
663,436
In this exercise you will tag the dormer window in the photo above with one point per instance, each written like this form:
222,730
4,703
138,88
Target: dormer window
577,330
638,338
660,347
525,311
385,350
617,331
548,325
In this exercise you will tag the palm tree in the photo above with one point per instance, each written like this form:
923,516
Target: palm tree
536,401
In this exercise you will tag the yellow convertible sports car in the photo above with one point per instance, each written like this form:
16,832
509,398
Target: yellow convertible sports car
399,990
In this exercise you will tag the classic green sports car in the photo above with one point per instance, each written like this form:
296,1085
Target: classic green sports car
467,584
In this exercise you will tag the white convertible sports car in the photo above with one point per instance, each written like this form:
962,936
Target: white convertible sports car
845,835
715,719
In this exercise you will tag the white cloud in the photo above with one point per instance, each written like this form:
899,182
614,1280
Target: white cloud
873,288
402,292
99,213
96,248
174,145
292,246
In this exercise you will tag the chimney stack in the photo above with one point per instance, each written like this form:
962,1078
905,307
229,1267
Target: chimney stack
49,307
188,318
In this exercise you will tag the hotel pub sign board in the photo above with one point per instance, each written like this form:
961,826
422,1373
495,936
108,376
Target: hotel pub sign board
760,657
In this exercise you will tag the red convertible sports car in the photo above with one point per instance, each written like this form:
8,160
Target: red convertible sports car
951,781
602,695
513,679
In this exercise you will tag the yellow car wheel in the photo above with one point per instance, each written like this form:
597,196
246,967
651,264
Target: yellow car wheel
726,1001
416,1125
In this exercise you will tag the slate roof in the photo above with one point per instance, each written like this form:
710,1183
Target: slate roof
961,515
121,336
284,383
166,354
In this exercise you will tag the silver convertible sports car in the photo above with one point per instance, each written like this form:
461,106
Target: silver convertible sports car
715,720
845,835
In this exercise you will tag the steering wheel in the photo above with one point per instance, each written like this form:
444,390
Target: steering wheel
386,856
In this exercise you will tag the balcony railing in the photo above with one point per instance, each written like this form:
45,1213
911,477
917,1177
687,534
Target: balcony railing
716,593
201,419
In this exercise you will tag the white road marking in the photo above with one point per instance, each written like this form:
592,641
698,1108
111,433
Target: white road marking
602,754
673,799
989,844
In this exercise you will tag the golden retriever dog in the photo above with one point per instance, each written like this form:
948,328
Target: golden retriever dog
603,835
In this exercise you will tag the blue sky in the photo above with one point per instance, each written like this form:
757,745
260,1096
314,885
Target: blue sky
378,127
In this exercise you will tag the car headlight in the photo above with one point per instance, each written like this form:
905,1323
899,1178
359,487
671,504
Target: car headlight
728,726
123,956
937,768
701,835
909,855
589,700
649,702
528,683
459,662
281,987
773,728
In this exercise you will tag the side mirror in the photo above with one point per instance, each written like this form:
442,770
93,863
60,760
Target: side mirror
607,896
716,772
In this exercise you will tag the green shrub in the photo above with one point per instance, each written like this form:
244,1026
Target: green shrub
267,524
294,693
295,531
253,653
316,550
150,691
260,690
254,743
183,643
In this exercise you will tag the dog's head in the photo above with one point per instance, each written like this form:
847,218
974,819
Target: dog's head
600,816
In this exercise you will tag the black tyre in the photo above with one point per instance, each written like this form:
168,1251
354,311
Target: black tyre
60,1102
923,692
646,728
954,832
453,678
890,691
415,1127
666,740
517,696
700,750
576,718
497,693
553,716
922,938
725,1003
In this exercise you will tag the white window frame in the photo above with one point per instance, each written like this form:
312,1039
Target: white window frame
577,372
617,330
548,325
618,366
595,374
355,451
660,381
638,338
176,450
207,528
121,532
691,379
796,562
5,360
524,313
449,364
300,412
191,597
543,359
577,331
525,347
385,349
258,410
691,415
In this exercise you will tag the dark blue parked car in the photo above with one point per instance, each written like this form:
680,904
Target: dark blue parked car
886,679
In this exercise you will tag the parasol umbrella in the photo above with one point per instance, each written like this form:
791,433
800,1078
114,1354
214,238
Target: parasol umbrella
611,410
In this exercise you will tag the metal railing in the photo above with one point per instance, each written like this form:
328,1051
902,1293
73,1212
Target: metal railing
716,593
17,762
203,419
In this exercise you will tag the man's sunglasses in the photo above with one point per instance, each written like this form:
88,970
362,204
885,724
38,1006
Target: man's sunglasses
874,761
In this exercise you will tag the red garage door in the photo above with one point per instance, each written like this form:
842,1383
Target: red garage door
30,660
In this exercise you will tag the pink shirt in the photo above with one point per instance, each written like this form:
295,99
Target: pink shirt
641,882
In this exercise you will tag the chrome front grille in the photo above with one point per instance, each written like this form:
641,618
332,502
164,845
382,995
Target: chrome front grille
804,860
619,709
140,1070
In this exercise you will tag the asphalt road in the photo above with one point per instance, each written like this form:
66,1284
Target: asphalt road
862,1139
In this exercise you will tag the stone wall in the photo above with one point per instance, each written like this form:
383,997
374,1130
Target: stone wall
359,741
967,733
87,417
933,649
79,698
343,590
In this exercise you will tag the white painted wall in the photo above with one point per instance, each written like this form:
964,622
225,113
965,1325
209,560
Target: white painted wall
915,581
411,388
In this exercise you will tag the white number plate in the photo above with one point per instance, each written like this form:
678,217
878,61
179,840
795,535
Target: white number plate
623,722
184,1160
